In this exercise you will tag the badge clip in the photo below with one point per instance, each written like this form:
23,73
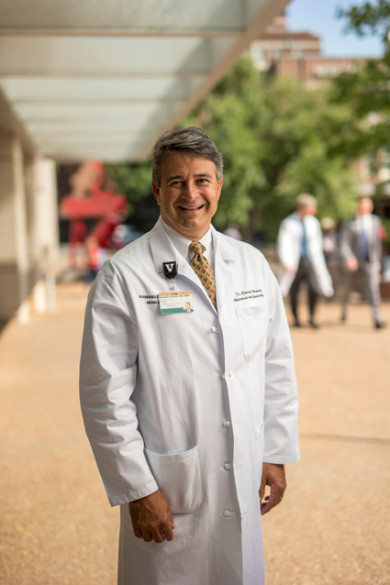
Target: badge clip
170,271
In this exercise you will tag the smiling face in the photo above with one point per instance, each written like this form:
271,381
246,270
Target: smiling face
188,194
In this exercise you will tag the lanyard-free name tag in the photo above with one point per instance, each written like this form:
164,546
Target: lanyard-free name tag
175,302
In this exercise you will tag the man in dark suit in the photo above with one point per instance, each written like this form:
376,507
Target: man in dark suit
361,250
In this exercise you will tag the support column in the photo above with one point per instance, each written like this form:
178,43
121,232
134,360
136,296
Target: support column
14,255
46,237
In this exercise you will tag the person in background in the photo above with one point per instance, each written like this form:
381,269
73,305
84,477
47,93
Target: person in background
301,255
233,231
191,414
361,252
329,238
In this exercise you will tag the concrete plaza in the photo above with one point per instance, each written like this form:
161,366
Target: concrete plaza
333,527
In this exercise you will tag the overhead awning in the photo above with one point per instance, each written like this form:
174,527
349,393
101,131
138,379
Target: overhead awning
100,79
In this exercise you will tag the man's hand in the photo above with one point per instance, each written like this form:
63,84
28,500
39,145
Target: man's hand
151,518
274,477
352,264
290,269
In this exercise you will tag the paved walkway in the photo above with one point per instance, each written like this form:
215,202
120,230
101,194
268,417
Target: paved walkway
333,526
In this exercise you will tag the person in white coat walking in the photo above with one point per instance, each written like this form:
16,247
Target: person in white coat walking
191,414
301,254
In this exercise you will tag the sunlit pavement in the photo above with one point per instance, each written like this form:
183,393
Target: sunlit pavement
333,527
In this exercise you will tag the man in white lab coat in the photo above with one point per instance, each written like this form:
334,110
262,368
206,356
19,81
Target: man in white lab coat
301,254
190,413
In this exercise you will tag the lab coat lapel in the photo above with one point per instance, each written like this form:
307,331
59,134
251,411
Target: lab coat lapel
226,264
162,248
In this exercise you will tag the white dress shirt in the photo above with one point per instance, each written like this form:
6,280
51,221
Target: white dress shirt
182,244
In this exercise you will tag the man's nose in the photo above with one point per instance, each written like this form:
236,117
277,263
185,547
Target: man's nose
190,190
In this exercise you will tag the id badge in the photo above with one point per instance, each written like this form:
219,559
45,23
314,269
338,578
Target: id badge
175,302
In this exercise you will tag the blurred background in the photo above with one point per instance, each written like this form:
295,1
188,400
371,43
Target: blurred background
295,93
296,96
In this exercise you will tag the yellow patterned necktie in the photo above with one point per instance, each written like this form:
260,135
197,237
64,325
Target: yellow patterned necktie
203,269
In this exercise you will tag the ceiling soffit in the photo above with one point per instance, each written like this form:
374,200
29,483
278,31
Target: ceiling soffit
102,79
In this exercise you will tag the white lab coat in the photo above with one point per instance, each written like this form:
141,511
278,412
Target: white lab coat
190,403
289,249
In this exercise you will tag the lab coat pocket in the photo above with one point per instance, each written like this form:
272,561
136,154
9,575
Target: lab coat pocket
178,477
252,328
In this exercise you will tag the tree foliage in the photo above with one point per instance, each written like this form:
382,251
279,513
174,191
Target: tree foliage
278,139
132,180
368,18
368,90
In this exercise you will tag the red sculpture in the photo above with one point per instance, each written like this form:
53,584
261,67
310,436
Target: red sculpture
88,200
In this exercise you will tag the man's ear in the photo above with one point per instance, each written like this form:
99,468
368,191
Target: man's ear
220,183
156,192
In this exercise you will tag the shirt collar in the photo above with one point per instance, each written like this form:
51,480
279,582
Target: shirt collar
181,243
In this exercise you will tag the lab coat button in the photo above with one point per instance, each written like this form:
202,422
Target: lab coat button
228,466
229,514
226,424
213,330
230,375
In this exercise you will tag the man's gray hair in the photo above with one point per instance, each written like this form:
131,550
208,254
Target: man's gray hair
306,200
191,140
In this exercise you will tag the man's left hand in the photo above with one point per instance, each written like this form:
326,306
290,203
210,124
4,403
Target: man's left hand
275,478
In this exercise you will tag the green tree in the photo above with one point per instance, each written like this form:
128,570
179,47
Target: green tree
369,18
132,180
278,139
367,89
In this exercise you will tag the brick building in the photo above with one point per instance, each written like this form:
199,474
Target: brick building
297,54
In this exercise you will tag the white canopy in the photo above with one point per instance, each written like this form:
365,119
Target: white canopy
102,78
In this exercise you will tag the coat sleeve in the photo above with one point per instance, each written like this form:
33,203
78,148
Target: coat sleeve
108,373
281,395
286,245
316,254
380,236
287,253
317,242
